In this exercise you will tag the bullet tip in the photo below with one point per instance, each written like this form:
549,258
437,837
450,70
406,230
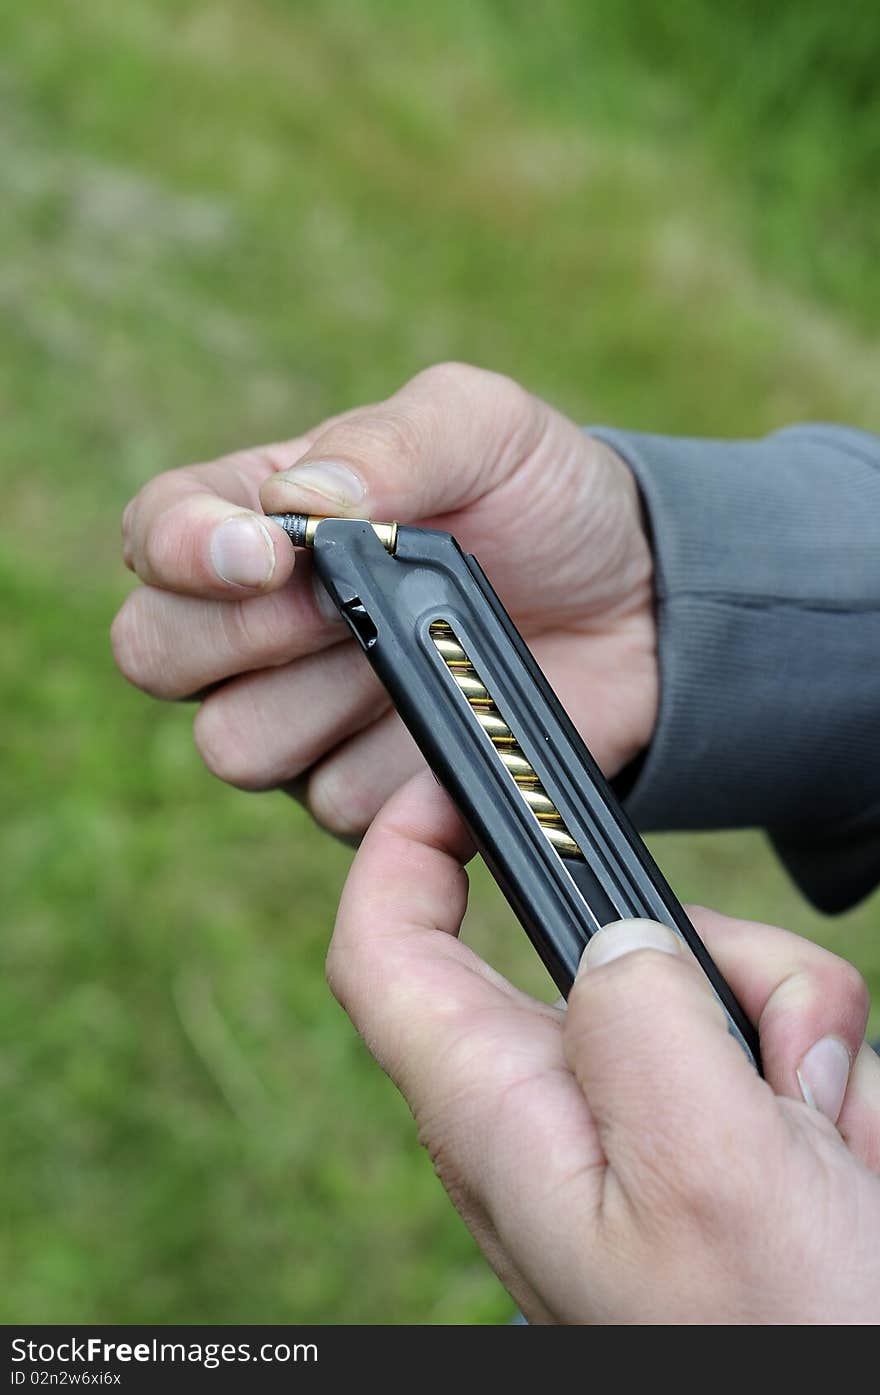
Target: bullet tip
294,525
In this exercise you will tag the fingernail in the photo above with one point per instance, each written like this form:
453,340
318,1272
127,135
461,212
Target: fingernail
823,1076
328,478
625,937
242,552
326,609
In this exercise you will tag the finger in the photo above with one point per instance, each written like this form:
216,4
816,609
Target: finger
445,439
677,1105
201,531
424,1002
401,908
810,1006
173,646
346,789
265,728
480,1063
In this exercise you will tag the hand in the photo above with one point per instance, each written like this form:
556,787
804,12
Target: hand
622,1161
552,515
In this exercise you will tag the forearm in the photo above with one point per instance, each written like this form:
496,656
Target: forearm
768,606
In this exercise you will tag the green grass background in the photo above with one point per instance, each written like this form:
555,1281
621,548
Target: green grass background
219,221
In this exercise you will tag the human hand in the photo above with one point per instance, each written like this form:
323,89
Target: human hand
553,516
621,1161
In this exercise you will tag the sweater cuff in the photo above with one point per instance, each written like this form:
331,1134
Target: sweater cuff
767,564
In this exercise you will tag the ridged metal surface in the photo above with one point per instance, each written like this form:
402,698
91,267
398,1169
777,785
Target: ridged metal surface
502,738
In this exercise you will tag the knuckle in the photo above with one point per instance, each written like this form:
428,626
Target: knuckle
451,373
501,385
510,394
519,421
347,969
225,748
160,550
129,514
337,968
824,990
854,989
133,642
122,641
169,545
155,489
149,498
139,642
453,379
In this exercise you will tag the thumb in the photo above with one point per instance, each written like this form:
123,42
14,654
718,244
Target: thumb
446,438
671,1092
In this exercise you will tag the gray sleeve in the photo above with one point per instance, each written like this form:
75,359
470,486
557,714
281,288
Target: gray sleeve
768,600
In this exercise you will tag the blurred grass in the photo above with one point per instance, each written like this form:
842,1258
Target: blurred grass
218,223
